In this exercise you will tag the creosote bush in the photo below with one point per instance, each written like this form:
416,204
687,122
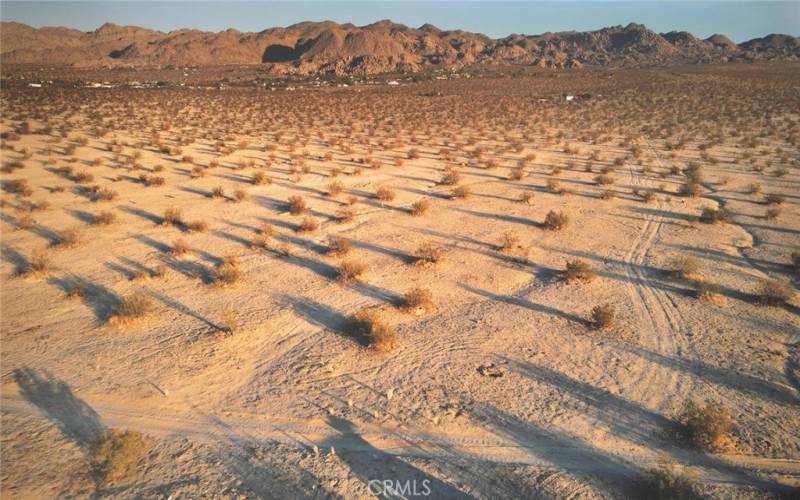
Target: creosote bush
429,254
307,225
338,246
706,426
350,271
297,205
420,208
131,308
371,328
667,481
385,194
603,316
555,221
579,271
417,299
774,292
116,455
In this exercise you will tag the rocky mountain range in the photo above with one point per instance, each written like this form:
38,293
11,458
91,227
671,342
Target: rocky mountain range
383,47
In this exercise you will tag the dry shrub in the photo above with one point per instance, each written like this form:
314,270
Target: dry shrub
218,192
526,198
68,238
350,271
753,188
228,273
307,225
335,188
706,290
369,326
461,192
608,194
197,226
385,194
18,186
37,265
796,260
104,218
706,426
555,187
173,216
649,196
555,221
670,482
774,292
690,188
419,208
239,195
450,177
604,180
429,254
603,316
714,215
517,173
339,245
684,267
297,205
180,248
132,308
260,241
508,241
418,300
345,214
260,178
104,194
117,454
579,271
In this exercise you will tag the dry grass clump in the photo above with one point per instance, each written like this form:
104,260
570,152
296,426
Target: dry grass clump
104,218
714,215
706,426
420,208
451,177
684,267
67,238
604,180
197,226
132,308
670,482
37,265
706,290
307,225
179,248
385,194
369,326
579,271
774,292
461,192
297,205
260,178
508,241
345,214
417,300
104,194
526,198
690,188
772,213
173,216
229,321
350,271
555,221
338,246
796,260
429,254
335,188
227,272
218,192
117,454
603,316
239,195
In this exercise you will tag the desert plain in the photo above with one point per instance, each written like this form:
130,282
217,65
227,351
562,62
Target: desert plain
558,284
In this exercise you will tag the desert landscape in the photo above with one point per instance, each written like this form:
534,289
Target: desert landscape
528,280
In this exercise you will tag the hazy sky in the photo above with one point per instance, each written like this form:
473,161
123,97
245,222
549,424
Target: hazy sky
740,20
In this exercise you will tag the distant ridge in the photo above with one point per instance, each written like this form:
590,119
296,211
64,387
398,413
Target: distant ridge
326,47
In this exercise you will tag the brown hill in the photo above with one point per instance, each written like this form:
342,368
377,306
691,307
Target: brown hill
381,47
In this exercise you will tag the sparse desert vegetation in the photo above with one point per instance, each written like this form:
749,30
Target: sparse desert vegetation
467,256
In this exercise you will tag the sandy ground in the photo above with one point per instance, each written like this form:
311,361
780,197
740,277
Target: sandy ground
289,404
